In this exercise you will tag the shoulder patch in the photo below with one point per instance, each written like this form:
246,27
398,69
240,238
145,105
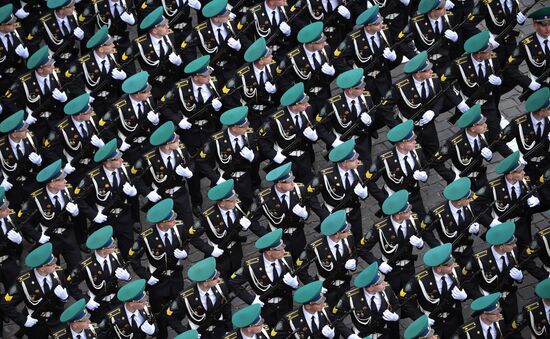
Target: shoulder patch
402,83
481,254
461,60
243,71
421,275
494,183
293,53
381,224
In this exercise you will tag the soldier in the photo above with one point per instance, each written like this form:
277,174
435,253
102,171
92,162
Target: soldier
488,321
13,51
537,312
78,324
542,237
165,245
311,319
133,318
248,323
43,291
420,329
270,276
177,12
371,305
396,236
334,14
101,272
206,304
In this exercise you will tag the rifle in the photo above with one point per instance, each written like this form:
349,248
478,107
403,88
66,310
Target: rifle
213,315
408,179
540,79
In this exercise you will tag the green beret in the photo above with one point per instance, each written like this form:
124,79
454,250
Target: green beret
334,223
107,152
343,152
538,100
13,123
57,4
541,15
136,83
427,6
281,173
75,312
78,105
471,117
310,293
486,303
215,8
132,291
100,38
191,334
293,95
4,203
509,164
311,33
153,19
543,289
235,116
6,16
458,189
256,51
222,191
418,63
203,270
369,16
101,238
39,58
351,79
270,240
161,211
396,203
438,255
477,43
164,134
248,316
51,172
369,276
402,132
501,234
418,328
40,256
199,66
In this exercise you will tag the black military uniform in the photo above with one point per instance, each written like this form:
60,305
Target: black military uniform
56,36
10,252
336,25
473,329
236,334
109,13
172,8
295,322
91,332
532,52
120,323
536,316
13,65
542,238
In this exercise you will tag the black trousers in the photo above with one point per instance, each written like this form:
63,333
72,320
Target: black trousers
65,244
123,230
335,293
399,276
447,327
428,138
272,313
160,295
295,242
302,167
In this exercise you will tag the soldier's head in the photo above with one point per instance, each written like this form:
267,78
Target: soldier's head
109,156
312,36
217,11
14,126
311,296
41,62
403,136
276,3
76,316
459,192
282,177
62,8
53,176
249,320
236,120
502,237
165,138
538,103
224,195
163,215
512,168
420,329
155,23
487,308
204,273
101,42
440,259
133,295
472,121
79,108
272,245
371,20
370,279
435,9
42,260
543,291
259,54
199,70
397,206
352,82
137,86
102,241
295,99
335,226
4,204
479,46
7,19
541,21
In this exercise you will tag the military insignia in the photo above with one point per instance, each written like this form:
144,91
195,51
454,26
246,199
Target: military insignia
81,18
402,293
262,132
225,90
202,155
102,122
8,297
169,312
68,74
77,190
144,5
443,77
337,52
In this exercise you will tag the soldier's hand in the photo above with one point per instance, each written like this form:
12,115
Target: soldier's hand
148,328
100,218
122,274
180,254
360,191
533,201
30,120
516,274
463,107
30,322
474,228
195,4
390,316
343,11
153,117
431,321
520,17
495,80
72,208
184,172
385,268
247,154
534,86
389,54
6,185
366,119
458,294
300,211
416,241
129,190
128,18
43,238
495,222
92,304
310,134
59,95
270,88
96,141
279,158
449,5
61,292
216,251
153,196
258,301
328,331
152,281
175,59
486,153
285,28
35,158
426,117
118,74
185,124
290,280
337,142
233,43
216,104
78,33
22,51
15,237
245,223
328,69
451,35
351,264
493,42
21,13
68,168
420,175
354,336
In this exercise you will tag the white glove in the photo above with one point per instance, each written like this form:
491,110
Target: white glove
449,4
360,191
534,85
405,2
35,158
153,117
216,104
390,316
300,211
30,120
451,35
96,141
258,301
337,142
458,294
247,154
426,118
548,136
30,322
366,119
216,252
78,33
6,185
270,88
153,196
516,274
220,180
279,158
290,280
152,281
343,11
118,74
195,4
310,134
328,69
533,201
385,268
185,124
416,241
431,321
72,208
14,236
100,218
351,265
122,274
147,328
495,80
22,51
474,228
244,222
180,254
58,95
21,13
129,190
520,17
92,304
486,153
68,168
43,238
463,107
420,175
184,172
354,336
495,222
285,28
175,59
91,99
328,331
61,292
493,42
128,18
389,54
522,160
235,44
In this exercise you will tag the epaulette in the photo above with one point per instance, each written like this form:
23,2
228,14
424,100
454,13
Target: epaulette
439,209
93,172
421,275
18,25
487,1
187,293
335,98
252,261
60,333
381,224
208,211
494,183
293,53
493,55
63,123
249,130
352,292
24,277
58,268
292,315
265,192
201,26
255,8
87,262
150,154
327,170
25,77
435,75
243,71
461,60
402,83
231,335
120,104
217,136
182,83
469,327
114,313
366,93
532,306
37,192
356,34
481,254
299,184
418,18
278,114
2,141
418,146
84,58
316,243
527,178
521,119
141,39
544,231
147,232
46,17
457,139
527,40
386,155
